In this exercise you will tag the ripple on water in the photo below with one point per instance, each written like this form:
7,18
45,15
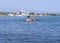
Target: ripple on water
43,29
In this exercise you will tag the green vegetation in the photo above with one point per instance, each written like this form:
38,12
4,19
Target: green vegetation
31,13
4,13
51,14
44,14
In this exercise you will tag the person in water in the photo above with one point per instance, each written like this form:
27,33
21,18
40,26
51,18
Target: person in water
33,19
28,19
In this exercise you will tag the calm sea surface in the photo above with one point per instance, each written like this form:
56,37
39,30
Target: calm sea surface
45,29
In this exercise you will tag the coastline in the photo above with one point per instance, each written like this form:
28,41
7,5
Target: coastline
31,14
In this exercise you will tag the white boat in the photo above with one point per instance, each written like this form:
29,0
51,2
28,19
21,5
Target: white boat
10,15
18,15
21,13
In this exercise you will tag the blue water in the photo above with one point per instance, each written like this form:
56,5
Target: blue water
45,29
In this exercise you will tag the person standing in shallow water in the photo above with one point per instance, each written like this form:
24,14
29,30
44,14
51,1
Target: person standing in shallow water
28,19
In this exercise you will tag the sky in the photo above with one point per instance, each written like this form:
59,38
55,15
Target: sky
30,5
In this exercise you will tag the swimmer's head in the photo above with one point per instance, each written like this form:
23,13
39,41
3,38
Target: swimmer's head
33,19
28,16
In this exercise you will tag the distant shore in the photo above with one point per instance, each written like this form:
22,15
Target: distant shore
31,14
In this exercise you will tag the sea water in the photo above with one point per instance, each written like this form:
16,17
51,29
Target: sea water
45,29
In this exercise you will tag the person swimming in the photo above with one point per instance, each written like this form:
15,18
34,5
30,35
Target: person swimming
28,19
32,19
